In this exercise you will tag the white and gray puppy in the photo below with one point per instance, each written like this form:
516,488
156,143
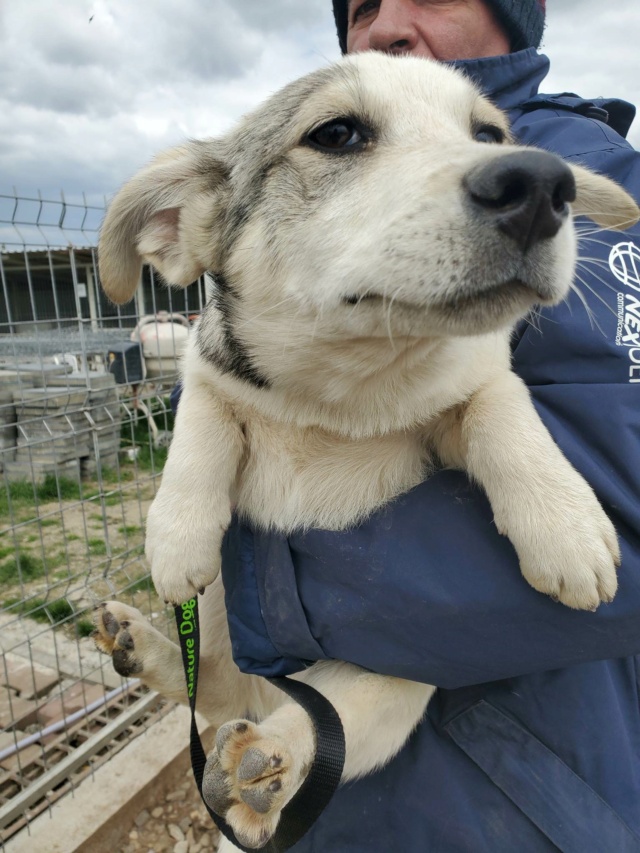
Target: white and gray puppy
373,235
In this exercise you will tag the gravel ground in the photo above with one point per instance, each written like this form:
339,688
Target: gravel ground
178,825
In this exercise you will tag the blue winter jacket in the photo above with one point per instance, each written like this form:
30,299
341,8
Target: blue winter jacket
532,742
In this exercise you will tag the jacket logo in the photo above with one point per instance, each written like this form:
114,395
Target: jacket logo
624,262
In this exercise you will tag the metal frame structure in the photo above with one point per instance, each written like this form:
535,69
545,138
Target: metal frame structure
83,435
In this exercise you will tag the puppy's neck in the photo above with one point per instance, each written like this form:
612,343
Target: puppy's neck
366,387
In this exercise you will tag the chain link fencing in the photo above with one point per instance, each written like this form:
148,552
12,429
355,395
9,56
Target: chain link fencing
85,423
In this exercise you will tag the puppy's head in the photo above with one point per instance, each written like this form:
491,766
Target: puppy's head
380,195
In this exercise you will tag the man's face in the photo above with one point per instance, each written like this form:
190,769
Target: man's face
436,29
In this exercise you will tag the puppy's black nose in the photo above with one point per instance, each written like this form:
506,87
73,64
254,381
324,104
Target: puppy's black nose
526,193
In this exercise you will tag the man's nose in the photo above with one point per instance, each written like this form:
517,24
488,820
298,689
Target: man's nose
393,30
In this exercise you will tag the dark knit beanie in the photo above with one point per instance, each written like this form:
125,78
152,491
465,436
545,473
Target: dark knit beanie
523,21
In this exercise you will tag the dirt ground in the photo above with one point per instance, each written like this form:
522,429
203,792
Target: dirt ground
180,824
84,550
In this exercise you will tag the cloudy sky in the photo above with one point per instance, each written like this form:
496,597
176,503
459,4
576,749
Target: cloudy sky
91,89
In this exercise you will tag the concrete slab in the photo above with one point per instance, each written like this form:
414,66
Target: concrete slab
29,679
14,711
70,658
76,697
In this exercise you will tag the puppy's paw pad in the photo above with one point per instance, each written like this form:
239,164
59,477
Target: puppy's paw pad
249,779
116,626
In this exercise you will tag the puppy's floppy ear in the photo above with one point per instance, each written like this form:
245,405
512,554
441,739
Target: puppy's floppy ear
602,200
167,215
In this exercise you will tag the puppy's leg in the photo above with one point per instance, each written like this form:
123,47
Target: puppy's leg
256,769
138,649
191,511
565,542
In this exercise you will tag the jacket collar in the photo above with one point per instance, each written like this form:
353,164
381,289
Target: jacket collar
512,82
508,80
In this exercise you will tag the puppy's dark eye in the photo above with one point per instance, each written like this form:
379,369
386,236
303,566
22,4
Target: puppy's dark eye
339,136
488,133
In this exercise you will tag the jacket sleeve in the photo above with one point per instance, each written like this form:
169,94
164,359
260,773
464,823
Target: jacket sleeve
427,589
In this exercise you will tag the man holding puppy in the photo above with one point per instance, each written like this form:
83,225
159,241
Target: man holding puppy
533,741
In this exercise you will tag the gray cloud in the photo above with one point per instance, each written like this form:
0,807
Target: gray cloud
280,14
593,50
84,103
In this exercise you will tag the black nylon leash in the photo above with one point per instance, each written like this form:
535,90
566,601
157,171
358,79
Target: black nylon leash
324,777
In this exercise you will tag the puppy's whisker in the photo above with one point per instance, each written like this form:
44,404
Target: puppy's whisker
593,322
588,238
591,272
594,292
315,324
581,229
597,262
533,319
389,330
255,317
585,231
388,322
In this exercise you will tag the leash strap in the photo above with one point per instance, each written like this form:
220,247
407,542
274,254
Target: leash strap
324,777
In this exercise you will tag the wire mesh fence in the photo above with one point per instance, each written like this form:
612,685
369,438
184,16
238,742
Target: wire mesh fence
85,423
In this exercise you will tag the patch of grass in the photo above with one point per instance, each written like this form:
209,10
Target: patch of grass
113,500
71,537
57,611
97,547
4,552
110,475
24,566
50,522
25,516
20,492
34,608
129,529
41,610
60,609
151,458
61,488
23,493
84,627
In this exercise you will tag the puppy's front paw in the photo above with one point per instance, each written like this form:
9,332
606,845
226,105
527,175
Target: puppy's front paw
183,549
249,778
123,633
180,573
573,554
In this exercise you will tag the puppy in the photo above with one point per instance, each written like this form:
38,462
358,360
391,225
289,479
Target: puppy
373,235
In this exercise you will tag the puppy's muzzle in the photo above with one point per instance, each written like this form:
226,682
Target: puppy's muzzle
526,194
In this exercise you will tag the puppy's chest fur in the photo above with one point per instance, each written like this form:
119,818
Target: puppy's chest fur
295,477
